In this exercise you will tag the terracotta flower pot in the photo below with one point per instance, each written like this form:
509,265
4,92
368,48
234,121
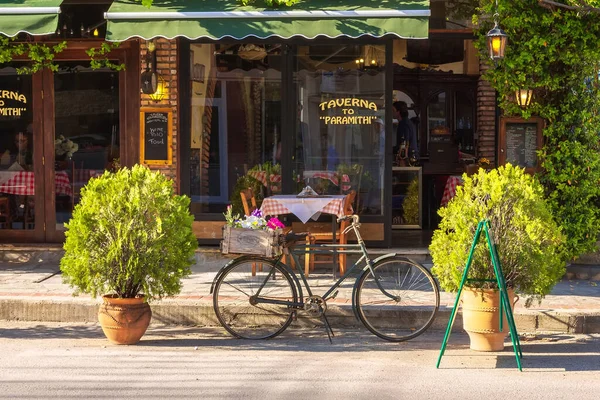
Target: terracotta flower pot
124,321
480,311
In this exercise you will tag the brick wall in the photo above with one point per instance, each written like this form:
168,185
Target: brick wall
486,118
166,66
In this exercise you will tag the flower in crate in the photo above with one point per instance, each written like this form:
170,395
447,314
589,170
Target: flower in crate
274,223
253,221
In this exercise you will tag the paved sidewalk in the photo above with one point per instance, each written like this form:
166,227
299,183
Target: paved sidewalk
34,292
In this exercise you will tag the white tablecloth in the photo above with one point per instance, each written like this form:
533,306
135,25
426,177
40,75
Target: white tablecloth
304,208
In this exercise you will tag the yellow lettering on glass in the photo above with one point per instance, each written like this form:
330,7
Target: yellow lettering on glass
11,111
348,113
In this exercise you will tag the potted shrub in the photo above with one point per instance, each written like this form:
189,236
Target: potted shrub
130,239
528,240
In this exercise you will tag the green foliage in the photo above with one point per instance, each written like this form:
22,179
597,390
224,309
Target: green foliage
556,53
39,55
410,206
99,58
129,235
244,182
529,241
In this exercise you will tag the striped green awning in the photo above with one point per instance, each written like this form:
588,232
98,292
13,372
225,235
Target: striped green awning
216,19
35,17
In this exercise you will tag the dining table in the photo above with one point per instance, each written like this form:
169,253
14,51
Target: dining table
306,208
450,189
23,183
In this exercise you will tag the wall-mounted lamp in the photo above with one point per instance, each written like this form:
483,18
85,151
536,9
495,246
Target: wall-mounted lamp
523,97
161,90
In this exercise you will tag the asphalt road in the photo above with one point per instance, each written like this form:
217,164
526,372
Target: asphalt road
64,361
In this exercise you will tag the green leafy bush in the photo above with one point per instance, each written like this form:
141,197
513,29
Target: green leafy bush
555,53
129,235
528,240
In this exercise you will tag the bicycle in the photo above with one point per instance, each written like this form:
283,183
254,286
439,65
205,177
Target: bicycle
394,297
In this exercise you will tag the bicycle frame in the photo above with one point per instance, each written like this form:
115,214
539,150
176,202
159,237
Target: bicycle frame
331,249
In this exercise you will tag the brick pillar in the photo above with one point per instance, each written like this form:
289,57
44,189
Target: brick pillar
486,118
166,66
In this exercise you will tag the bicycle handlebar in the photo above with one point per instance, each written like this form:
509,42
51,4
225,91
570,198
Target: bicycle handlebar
354,218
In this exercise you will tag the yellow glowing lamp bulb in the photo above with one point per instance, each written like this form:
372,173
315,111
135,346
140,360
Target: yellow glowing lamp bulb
496,41
373,62
362,60
358,61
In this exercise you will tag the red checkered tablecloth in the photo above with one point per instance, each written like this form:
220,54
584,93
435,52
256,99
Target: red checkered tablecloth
450,189
303,208
23,183
261,176
331,175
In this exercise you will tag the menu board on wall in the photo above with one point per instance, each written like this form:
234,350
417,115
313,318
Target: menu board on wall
156,126
519,142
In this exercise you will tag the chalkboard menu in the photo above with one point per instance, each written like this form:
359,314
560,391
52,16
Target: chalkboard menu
519,141
156,136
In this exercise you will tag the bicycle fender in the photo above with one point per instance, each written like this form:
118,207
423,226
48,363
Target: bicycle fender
366,271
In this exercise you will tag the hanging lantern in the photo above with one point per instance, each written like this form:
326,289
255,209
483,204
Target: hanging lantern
496,40
524,97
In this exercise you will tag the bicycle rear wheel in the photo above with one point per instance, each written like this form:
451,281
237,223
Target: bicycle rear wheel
412,307
238,293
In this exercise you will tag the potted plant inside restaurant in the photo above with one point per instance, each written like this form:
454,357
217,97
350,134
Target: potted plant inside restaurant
130,239
528,240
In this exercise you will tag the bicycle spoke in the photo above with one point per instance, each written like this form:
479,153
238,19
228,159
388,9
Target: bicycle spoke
413,306
240,313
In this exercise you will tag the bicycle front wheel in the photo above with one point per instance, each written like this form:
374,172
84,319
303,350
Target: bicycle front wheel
404,303
252,298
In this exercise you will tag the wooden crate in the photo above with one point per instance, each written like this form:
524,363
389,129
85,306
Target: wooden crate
250,241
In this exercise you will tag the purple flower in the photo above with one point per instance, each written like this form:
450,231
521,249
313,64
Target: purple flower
256,213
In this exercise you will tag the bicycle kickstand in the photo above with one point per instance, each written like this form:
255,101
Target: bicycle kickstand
328,328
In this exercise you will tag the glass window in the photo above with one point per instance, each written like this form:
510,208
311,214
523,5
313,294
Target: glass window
235,123
17,184
86,142
339,138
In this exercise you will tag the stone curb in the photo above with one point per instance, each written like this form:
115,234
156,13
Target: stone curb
202,314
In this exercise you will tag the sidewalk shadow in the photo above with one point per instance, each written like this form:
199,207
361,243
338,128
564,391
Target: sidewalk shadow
292,340
556,352
44,331
315,340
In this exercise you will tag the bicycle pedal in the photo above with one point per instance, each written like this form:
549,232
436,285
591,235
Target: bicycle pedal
294,316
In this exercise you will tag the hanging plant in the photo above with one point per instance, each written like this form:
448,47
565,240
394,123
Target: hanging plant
99,56
38,55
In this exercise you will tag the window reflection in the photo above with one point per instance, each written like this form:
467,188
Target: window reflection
235,124
86,142
340,134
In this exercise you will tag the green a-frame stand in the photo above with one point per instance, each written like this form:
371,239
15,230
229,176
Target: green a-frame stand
504,301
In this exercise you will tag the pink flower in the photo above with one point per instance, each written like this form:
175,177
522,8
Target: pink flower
274,223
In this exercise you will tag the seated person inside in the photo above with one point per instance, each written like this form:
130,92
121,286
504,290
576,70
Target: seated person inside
19,156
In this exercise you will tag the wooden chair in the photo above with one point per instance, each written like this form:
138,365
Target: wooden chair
247,195
249,204
5,215
327,237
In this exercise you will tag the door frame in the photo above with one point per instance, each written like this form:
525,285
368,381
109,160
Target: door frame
128,53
